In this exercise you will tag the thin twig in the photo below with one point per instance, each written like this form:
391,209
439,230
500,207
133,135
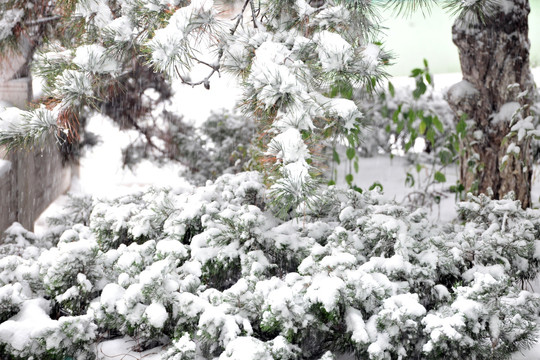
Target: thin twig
253,13
145,133
240,17
42,20
215,68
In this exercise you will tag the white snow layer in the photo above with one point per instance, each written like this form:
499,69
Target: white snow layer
30,323
334,51
156,315
289,146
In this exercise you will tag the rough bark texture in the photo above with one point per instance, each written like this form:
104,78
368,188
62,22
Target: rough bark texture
494,55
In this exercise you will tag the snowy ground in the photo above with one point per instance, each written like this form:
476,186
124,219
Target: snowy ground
101,175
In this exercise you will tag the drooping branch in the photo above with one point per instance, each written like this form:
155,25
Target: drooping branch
215,67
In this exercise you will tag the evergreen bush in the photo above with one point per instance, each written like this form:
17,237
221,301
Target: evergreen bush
210,272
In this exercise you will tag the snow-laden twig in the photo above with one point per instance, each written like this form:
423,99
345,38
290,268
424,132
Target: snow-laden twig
215,67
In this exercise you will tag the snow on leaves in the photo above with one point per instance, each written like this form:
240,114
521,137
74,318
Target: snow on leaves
211,273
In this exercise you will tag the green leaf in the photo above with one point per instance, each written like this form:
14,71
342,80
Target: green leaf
358,189
376,184
411,116
391,89
400,126
347,93
356,168
426,63
416,72
349,179
438,124
409,180
408,145
461,127
439,177
333,91
353,138
331,182
350,153
422,127
418,168
458,188
335,155
428,78
455,144
445,156
395,115
430,135
420,89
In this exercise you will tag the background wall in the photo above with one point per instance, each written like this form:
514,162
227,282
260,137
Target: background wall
29,182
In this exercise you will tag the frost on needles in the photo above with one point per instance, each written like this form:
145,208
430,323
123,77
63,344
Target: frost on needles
299,65
209,272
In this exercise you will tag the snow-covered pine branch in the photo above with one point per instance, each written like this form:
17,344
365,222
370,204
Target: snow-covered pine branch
24,129
300,68
299,63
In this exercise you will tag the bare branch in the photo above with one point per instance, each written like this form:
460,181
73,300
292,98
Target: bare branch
239,17
253,13
43,20
215,68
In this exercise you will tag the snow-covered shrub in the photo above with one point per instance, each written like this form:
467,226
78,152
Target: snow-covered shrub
220,145
16,240
183,348
488,318
226,148
11,299
209,271
69,271
130,218
33,334
76,210
499,232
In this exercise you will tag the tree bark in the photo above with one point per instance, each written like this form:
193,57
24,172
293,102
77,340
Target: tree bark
494,54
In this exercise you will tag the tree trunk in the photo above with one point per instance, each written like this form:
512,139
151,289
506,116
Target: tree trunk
494,54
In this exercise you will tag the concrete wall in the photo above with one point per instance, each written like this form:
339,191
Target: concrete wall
16,92
29,183
29,180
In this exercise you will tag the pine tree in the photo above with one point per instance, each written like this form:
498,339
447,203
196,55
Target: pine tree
299,63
